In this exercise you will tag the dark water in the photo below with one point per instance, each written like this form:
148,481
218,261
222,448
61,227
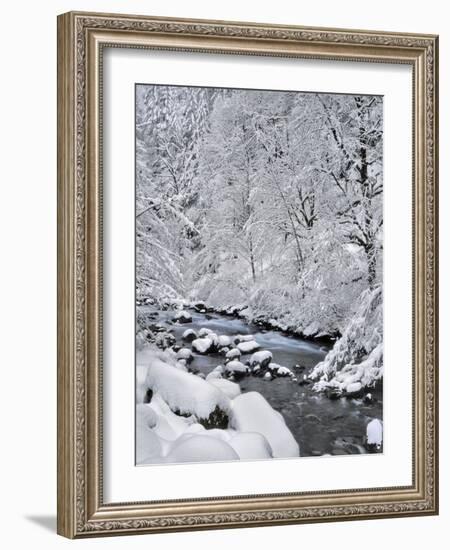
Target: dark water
320,425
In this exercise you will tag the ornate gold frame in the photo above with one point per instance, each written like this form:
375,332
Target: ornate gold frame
81,37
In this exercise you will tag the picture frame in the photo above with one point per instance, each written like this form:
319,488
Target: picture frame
82,40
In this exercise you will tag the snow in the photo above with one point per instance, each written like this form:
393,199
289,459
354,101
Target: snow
146,416
200,448
202,345
233,354
343,366
248,346
182,317
189,335
255,430
230,389
235,366
184,392
354,388
141,387
251,446
216,373
298,253
261,358
279,370
252,413
148,444
374,432
224,341
185,353
332,230
169,426
312,329
365,373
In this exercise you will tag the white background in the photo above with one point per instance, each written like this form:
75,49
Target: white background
28,271
123,482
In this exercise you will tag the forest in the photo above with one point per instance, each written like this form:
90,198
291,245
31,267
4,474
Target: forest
267,201
259,262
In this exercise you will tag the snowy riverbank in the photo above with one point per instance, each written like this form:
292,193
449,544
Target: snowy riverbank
352,367
182,417
196,371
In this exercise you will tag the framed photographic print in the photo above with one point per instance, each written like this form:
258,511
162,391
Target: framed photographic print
247,276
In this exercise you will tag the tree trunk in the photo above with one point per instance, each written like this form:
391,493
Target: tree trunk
371,264
252,260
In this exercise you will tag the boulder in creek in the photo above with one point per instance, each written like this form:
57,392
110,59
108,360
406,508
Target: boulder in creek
233,354
223,341
248,346
333,393
189,335
182,317
261,358
236,369
202,345
200,307
354,390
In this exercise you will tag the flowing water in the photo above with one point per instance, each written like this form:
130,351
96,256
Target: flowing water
320,425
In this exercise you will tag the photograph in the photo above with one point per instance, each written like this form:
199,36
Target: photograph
258,274
247,232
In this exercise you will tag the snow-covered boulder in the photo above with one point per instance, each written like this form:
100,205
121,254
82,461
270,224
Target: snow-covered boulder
182,317
183,392
200,448
216,373
252,413
223,341
200,307
233,354
189,335
186,354
205,332
157,327
165,340
148,444
152,431
202,345
230,389
280,370
236,367
355,389
181,365
261,358
312,329
251,446
170,426
141,386
368,399
248,347
146,415
268,376
374,435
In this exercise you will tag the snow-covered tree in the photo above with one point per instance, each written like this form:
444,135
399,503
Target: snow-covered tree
268,200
